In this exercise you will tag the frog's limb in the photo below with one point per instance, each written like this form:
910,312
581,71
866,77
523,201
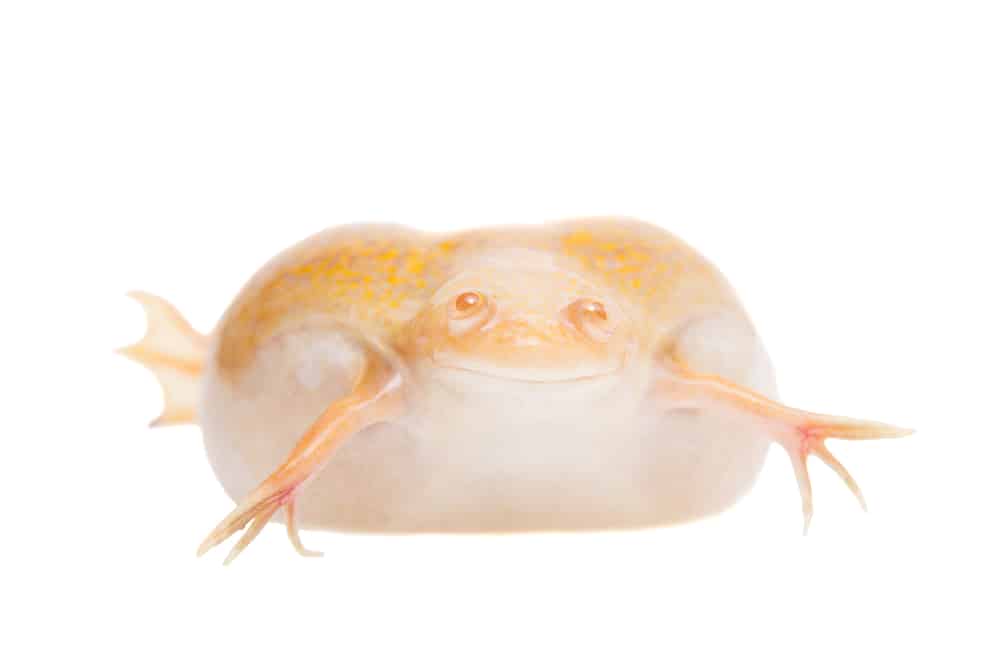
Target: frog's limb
800,433
175,353
376,397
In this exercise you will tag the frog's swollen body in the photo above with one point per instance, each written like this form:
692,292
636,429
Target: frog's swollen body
478,453
586,375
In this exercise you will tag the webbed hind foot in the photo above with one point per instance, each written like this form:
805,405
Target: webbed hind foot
175,353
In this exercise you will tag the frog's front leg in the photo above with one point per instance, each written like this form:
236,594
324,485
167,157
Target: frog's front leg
800,433
376,397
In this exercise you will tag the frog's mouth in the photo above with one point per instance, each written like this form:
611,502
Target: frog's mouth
541,373
525,376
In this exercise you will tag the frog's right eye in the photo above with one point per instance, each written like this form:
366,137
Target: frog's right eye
468,311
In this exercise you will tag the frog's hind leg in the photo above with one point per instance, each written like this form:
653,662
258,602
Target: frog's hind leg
800,433
175,353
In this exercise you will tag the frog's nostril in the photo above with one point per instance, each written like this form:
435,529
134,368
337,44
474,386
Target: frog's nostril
518,333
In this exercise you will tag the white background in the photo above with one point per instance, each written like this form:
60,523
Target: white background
838,161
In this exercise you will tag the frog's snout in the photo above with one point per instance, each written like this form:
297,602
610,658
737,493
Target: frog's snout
575,341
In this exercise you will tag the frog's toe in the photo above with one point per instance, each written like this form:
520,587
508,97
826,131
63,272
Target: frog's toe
801,433
806,435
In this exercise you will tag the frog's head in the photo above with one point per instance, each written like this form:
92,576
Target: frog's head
525,324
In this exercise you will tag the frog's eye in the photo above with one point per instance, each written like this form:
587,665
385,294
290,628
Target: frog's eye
467,304
468,311
590,318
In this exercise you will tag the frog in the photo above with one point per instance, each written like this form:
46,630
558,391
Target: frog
577,375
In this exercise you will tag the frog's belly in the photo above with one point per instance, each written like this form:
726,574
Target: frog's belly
489,456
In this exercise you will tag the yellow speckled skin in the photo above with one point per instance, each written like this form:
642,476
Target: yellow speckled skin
376,278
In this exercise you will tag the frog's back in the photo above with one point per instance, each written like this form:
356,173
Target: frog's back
661,277
368,279
373,279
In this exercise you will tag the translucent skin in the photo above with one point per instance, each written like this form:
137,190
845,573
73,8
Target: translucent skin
536,418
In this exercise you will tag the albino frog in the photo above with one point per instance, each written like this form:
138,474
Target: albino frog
581,375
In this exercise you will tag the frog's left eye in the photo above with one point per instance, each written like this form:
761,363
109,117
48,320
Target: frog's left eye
467,303
468,311
590,318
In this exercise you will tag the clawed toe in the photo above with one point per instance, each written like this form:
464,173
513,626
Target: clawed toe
809,439
257,515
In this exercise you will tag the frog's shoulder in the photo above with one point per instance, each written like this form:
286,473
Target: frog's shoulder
369,278
662,276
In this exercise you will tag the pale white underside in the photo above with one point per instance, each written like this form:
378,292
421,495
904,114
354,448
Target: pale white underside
477,453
